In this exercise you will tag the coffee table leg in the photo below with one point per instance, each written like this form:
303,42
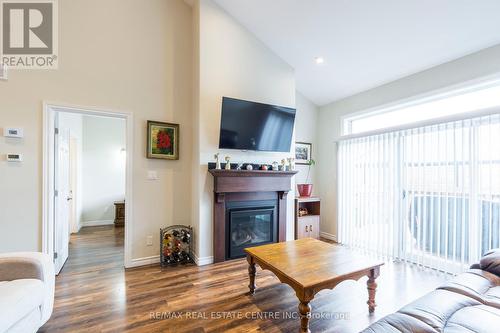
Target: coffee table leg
372,288
305,315
251,274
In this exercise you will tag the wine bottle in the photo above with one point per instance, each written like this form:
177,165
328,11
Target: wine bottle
185,256
185,236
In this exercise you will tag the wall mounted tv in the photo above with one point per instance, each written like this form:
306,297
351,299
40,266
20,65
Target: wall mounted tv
249,125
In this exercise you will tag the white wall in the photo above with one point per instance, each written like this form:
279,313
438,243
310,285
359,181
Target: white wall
103,168
146,68
123,55
306,123
480,64
74,123
231,62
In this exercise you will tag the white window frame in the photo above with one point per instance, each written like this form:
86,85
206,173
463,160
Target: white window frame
433,95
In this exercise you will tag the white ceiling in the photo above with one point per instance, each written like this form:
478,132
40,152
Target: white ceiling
366,43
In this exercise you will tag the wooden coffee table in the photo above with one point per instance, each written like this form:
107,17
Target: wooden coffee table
308,266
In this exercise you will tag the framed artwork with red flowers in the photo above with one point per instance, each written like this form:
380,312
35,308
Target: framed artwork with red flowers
163,140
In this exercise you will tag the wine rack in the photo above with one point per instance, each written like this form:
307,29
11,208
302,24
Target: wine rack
176,245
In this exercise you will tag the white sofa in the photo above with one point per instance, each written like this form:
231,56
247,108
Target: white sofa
26,291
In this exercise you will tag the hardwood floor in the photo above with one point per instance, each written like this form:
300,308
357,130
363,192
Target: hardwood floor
95,294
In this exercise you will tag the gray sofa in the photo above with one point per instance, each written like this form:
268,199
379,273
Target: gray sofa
468,303
26,291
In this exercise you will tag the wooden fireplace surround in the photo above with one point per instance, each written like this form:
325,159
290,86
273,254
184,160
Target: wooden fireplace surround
244,185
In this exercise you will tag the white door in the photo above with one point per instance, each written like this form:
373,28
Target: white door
62,198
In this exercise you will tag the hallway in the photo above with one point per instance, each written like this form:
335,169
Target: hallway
94,247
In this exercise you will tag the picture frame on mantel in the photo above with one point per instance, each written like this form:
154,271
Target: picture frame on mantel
303,152
163,140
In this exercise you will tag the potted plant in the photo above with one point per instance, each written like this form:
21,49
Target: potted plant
305,190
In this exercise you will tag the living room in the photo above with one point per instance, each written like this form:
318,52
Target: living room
362,136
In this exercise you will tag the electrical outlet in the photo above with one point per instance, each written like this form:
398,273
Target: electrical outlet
149,241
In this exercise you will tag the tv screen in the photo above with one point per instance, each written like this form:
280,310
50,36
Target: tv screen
255,126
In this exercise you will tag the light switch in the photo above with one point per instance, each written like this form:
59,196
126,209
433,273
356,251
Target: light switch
11,132
152,175
14,157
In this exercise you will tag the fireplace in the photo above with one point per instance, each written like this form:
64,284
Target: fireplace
250,209
249,223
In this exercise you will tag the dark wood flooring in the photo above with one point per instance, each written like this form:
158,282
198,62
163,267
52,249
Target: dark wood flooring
94,293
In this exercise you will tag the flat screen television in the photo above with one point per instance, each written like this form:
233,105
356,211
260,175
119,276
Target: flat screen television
249,125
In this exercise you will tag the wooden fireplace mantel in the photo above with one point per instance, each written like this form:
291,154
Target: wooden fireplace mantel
242,185
251,173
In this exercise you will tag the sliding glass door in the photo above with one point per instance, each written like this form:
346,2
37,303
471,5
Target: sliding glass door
428,195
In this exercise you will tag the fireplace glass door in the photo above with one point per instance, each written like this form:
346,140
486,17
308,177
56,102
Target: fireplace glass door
250,227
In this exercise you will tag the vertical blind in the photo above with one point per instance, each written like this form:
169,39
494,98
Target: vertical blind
428,195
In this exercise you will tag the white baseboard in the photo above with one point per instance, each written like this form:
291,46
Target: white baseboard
328,236
144,261
203,261
97,223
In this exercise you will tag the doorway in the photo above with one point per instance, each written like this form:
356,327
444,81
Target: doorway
87,178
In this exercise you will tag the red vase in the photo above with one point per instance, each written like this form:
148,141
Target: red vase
305,190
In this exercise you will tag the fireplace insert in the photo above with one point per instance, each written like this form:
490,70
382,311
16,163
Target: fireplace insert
250,223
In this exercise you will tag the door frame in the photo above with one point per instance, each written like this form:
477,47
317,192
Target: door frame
48,171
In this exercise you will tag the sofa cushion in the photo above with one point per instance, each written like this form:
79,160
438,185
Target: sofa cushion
480,285
440,311
437,307
470,302
491,262
400,323
19,299
479,318
28,324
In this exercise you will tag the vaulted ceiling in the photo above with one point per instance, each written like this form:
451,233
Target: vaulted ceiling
366,43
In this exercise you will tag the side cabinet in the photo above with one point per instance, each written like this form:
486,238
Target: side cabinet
307,217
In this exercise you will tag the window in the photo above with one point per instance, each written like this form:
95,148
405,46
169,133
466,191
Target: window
454,102
428,195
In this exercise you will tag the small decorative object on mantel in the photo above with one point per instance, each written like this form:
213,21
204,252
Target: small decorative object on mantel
176,245
163,140
305,190
303,152
241,166
283,165
228,164
217,162
291,163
